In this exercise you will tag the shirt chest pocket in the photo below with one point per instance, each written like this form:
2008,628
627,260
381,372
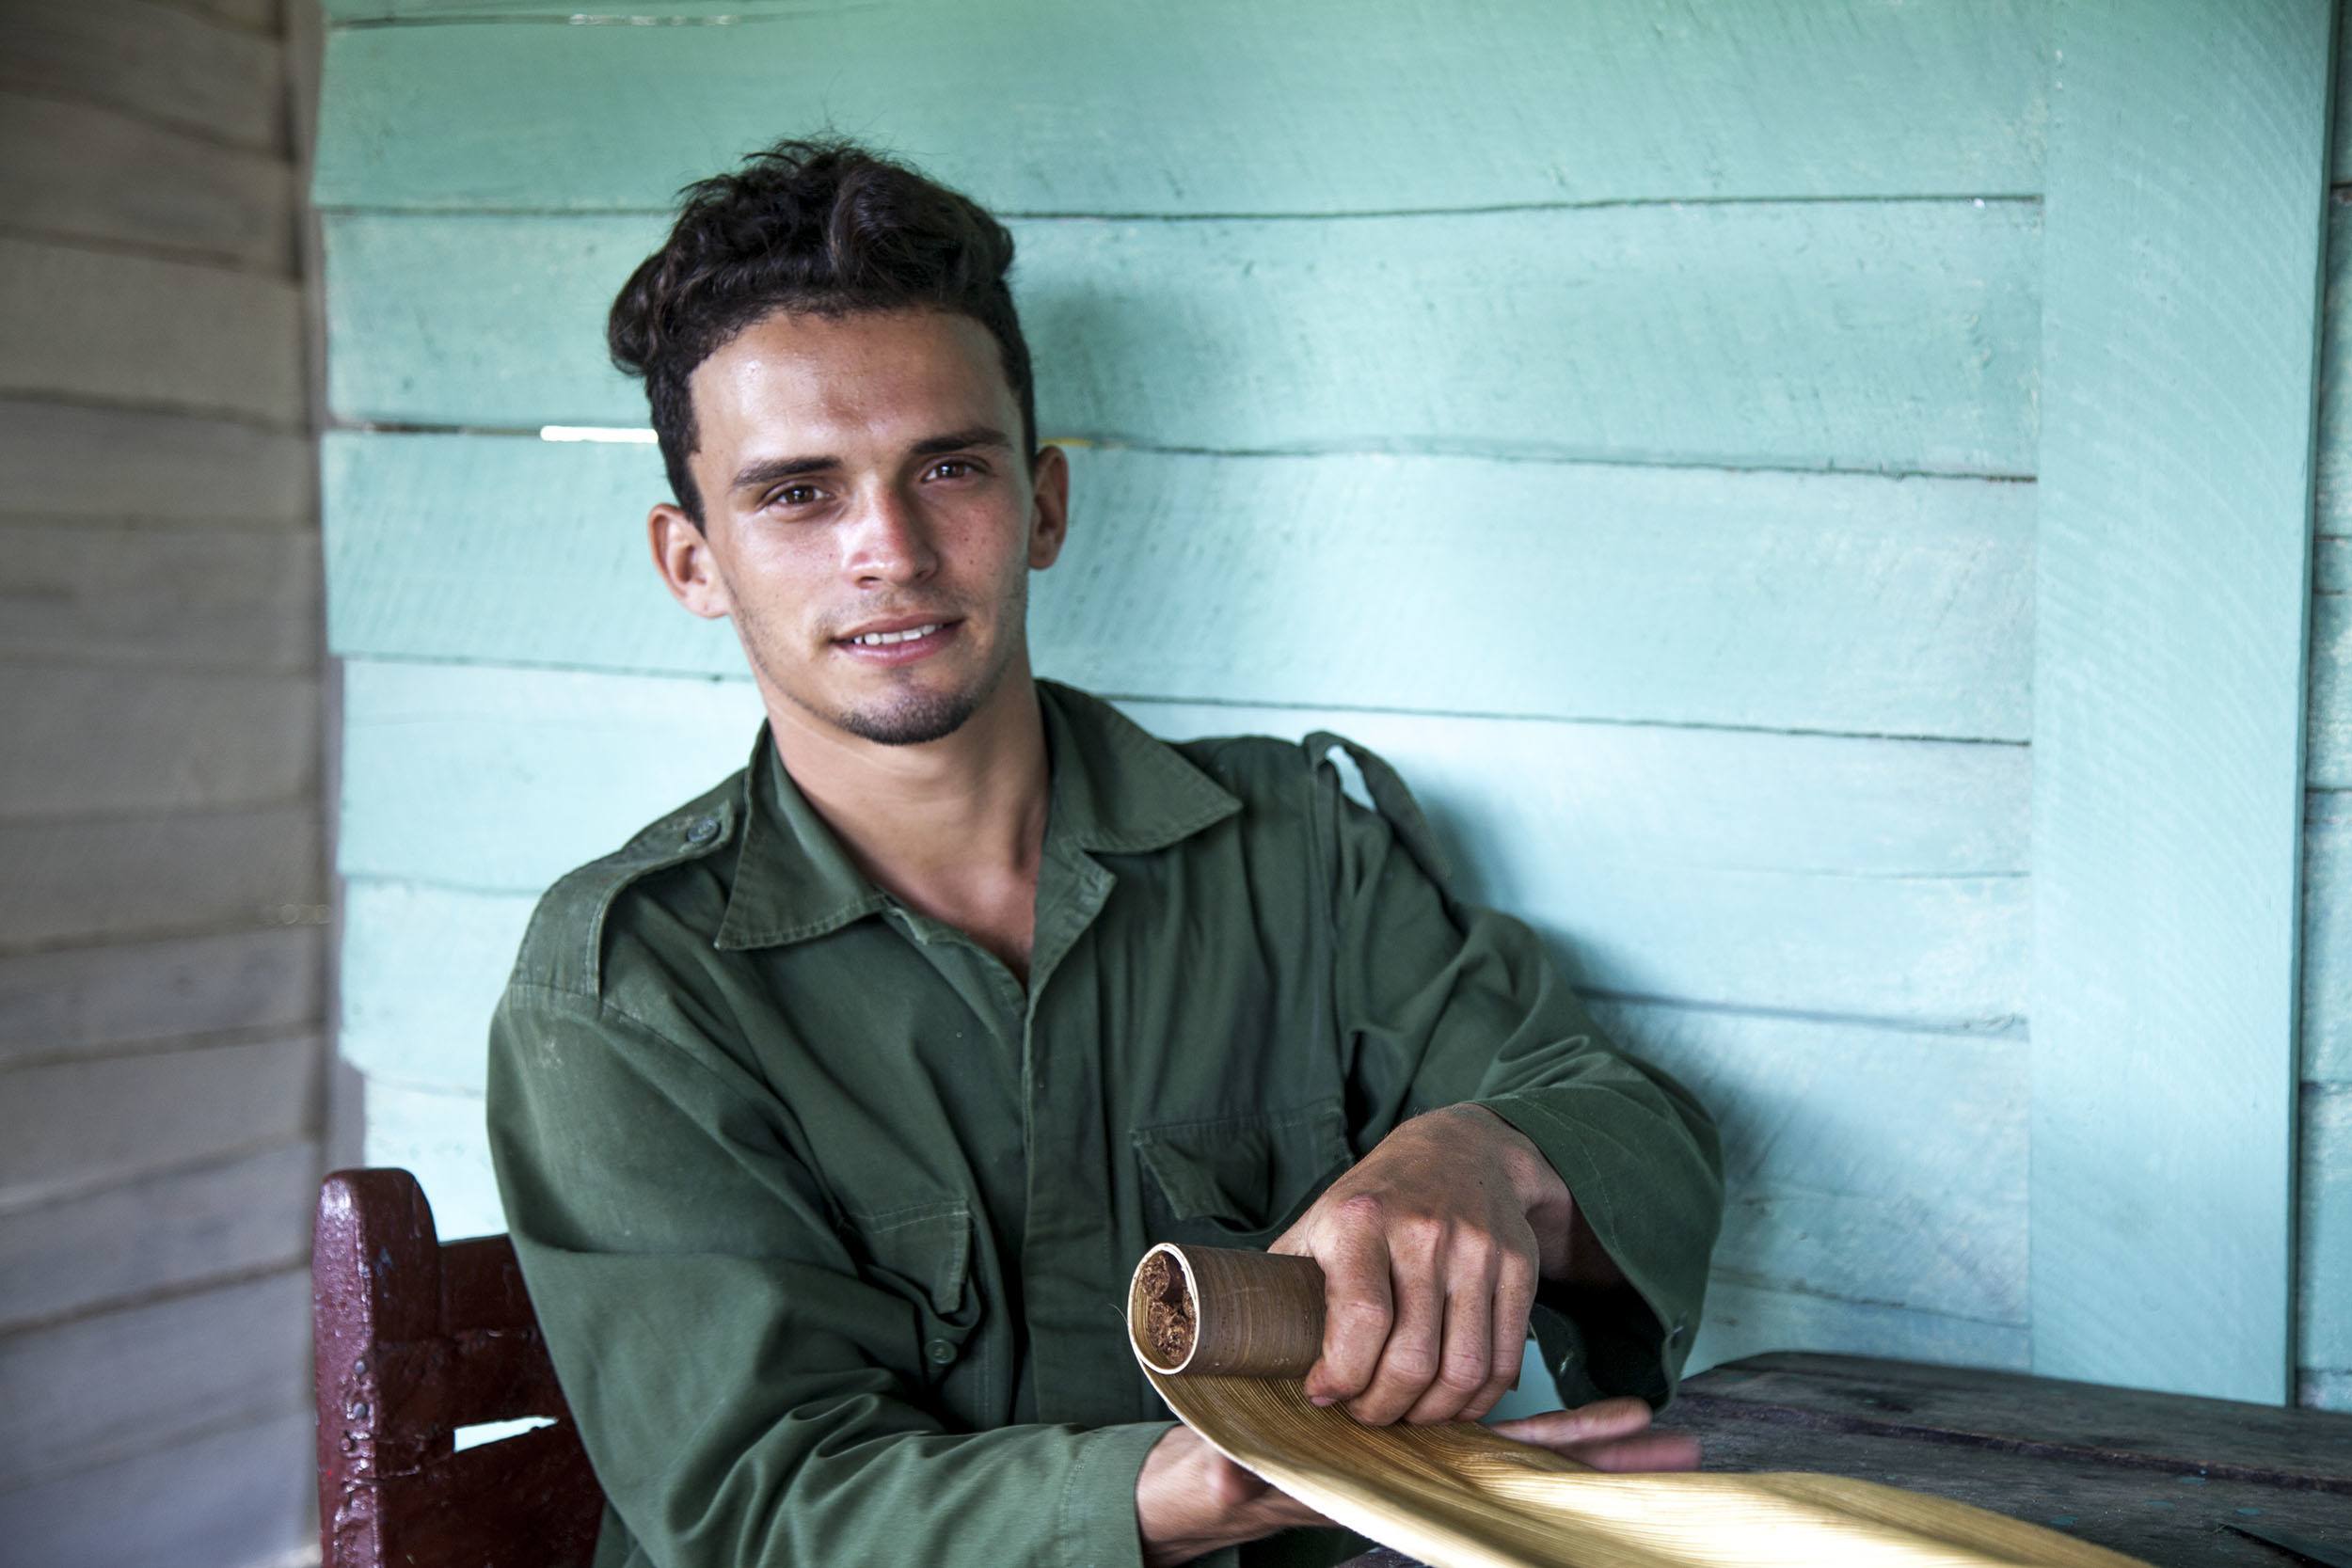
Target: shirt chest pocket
1239,1181
923,1253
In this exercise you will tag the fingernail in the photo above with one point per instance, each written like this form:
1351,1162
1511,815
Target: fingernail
1320,1400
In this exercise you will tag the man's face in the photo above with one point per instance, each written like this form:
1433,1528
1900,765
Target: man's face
870,517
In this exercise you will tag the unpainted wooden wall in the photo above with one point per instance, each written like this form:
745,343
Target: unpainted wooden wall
162,876
1628,427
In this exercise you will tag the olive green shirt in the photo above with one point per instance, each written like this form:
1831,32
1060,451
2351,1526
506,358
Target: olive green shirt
829,1220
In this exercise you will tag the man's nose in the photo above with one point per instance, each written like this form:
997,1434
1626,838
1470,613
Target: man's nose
889,540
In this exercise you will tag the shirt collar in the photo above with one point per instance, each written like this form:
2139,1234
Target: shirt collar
1115,790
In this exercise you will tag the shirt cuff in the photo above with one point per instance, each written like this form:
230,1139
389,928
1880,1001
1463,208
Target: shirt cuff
1098,1500
1598,1343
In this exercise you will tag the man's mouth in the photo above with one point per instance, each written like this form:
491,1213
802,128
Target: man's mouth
894,642
885,639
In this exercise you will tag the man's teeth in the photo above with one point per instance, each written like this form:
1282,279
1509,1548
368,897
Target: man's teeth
883,638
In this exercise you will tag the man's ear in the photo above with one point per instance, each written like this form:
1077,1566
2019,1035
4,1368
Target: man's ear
1049,513
682,556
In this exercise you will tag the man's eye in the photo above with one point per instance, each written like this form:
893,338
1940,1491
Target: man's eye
953,467
793,495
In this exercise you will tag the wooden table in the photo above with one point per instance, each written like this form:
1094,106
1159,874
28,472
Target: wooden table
2159,1477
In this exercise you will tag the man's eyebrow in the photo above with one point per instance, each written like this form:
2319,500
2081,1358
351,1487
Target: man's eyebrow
767,470
770,470
959,440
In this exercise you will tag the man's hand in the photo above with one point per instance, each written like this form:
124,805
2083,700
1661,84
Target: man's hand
1191,1500
1431,1247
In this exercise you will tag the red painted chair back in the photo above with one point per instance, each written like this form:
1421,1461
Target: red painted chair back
413,1340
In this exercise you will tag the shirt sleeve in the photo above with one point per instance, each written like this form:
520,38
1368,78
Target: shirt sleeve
1442,1003
715,1341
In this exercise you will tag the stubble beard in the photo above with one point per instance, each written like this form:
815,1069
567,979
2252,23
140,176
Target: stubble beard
917,717
913,715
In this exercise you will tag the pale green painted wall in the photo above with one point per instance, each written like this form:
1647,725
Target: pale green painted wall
1629,429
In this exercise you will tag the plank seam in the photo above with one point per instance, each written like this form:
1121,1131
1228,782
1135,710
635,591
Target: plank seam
84,941
308,796
411,1086
246,1421
1759,1282
156,406
84,522
39,1198
1564,719
165,661
351,653
219,23
2003,1026
189,256
1547,457
170,1045
1467,451
1337,214
198,135
161,1295
242,1418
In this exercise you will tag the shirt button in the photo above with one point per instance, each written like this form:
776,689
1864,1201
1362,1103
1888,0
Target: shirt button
704,831
941,1351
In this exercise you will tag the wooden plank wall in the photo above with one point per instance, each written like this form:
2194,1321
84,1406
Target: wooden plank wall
1627,427
2181,323
162,936
2324,1274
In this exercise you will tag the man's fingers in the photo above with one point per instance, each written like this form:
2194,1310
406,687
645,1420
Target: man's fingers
1607,1434
1409,1361
1652,1450
1603,1420
1514,1292
1466,1362
1356,1316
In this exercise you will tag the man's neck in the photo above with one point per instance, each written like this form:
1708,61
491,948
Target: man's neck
954,827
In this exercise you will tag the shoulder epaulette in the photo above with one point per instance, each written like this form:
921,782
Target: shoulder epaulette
564,942
1388,796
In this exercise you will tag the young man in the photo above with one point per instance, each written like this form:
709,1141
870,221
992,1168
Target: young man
831,1111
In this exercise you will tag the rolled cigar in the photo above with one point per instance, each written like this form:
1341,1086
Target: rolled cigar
1225,1311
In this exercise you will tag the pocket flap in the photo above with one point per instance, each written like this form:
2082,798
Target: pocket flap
1248,1172
926,1246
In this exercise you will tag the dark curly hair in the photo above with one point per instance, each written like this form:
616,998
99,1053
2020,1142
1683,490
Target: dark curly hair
822,225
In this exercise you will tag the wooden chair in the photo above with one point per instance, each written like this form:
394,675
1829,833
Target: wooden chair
413,1340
